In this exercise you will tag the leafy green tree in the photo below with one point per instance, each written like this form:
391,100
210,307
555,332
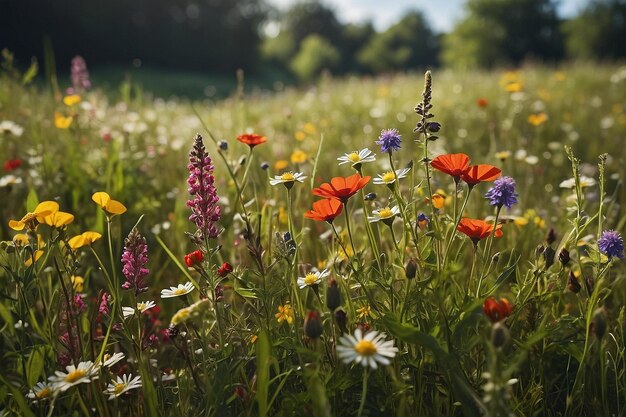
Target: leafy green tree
315,54
498,32
410,43
599,31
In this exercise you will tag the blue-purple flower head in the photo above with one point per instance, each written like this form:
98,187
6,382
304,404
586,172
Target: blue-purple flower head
502,193
611,244
389,140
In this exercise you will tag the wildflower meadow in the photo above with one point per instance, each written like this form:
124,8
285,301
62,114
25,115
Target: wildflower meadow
437,244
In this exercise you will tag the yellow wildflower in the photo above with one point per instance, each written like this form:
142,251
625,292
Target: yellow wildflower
86,238
310,128
109,205
71,100
537,119
503,155
32,220
364,312
58,219
77,282
285,313
300,135
298,157
62,122
281,164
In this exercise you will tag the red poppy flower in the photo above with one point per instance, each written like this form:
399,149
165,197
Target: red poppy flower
342,188
194,258
477,229
482,102
325,210
225,269
455,164
12,164
480,173
497,310
252,139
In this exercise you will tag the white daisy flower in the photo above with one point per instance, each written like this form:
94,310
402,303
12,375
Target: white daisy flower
141,307
84,373
312,278
110,360
123,384
584,182
384,214
7,126
182,289
360,157
9,180
390,177
288,178
41,392
368,350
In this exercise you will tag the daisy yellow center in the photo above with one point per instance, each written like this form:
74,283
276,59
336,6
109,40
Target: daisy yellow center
287,176
119,387
354,157
389,176
180,291
75,375
141,306
44,393
385,213
365,348
310,279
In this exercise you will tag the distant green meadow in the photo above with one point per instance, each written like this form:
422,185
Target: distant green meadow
360,246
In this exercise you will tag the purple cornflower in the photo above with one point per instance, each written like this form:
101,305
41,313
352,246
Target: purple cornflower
79,75
134,259
502,193
389,140
611,244
203,202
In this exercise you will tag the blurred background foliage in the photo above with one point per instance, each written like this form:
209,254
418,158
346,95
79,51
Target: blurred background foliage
214,38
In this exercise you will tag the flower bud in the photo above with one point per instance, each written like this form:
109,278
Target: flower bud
313,325
333,295
223,145
225,269
194,258
265,166
342,320
410,269
551,237
564,257
548,256
370,196
572,283
434,127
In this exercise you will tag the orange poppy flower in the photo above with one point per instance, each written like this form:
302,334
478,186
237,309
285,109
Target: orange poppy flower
342,188
480,173
325,210
477,229
251,139
497,310
455,164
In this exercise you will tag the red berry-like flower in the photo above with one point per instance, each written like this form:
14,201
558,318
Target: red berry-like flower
497,310
194,258
12,164
225,269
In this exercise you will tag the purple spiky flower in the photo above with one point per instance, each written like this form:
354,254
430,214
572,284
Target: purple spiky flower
135,259
502,193
611,244
389,140
205,213
79,75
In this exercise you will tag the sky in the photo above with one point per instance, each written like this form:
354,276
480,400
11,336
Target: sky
441,13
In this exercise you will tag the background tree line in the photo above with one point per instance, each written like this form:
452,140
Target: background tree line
219,36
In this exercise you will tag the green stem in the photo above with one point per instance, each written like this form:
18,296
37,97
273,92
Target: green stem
363,393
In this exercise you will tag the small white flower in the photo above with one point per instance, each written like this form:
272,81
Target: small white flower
384,214
110,360
123,384
312,278
357,157
288,178
390,177
368,350
20,325
40,392
181,289
7,126
84,373
584,182
9,180
141,307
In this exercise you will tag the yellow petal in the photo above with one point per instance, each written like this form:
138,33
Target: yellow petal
58,219
91,237
438,201
115,207
77,242
101,198
71,100
49,206
37,255
16,224
62,122
21,239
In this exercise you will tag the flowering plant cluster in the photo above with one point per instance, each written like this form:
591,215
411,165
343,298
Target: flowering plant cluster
396,276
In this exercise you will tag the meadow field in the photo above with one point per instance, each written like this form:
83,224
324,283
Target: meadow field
400,245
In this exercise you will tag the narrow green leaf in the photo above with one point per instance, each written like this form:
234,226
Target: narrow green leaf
176,261
263,349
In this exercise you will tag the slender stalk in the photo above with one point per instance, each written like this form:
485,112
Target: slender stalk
363,393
